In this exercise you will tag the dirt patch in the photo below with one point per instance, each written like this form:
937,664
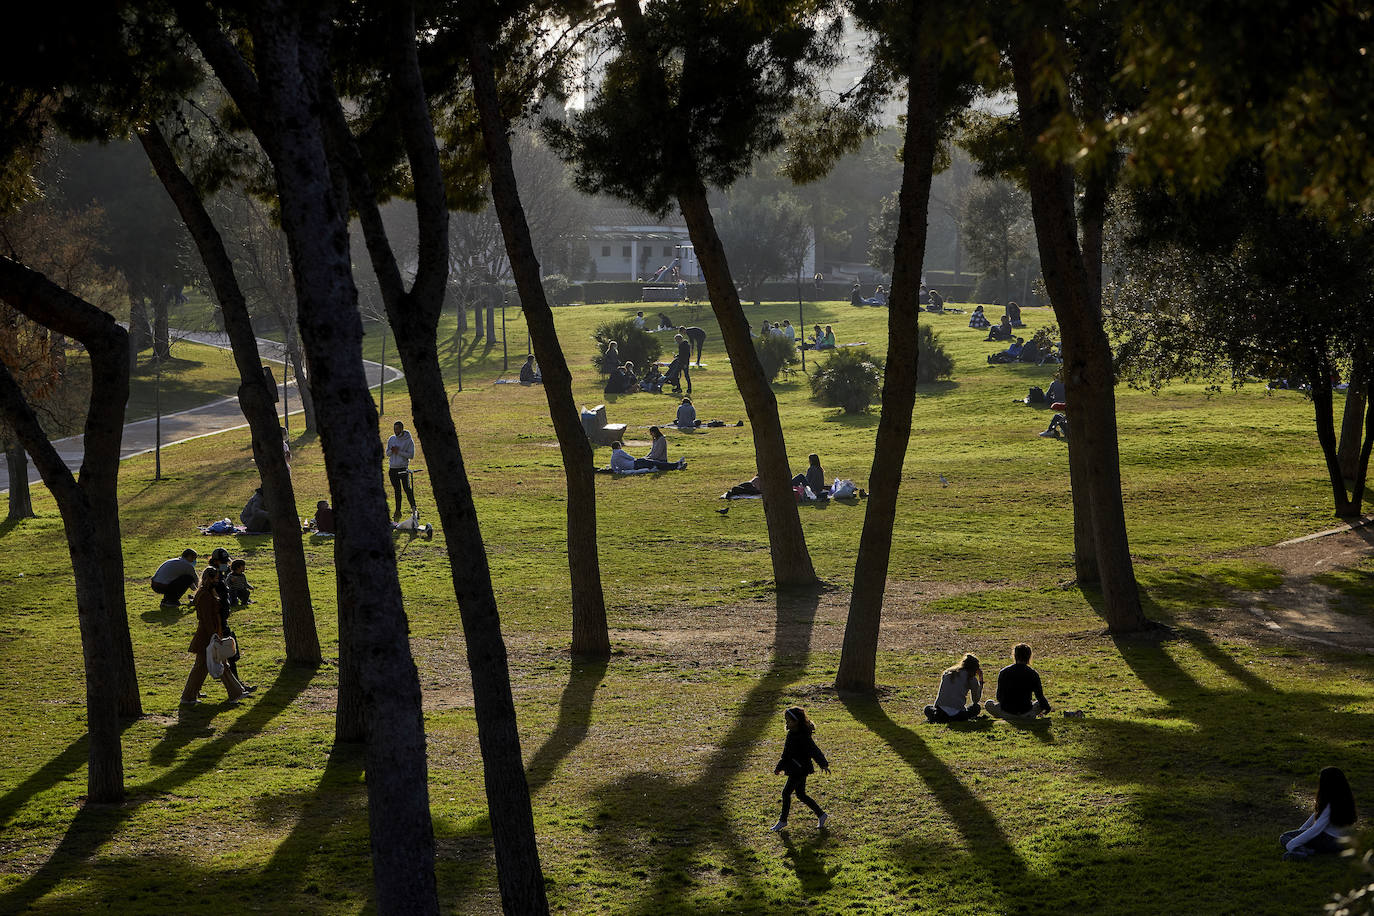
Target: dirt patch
1304,609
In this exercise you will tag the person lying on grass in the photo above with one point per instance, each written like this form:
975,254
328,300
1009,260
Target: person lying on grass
622,460
1328,826
964,679
1019,692
798,750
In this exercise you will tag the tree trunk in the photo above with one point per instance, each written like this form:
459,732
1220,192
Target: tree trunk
280,99
786,540
20,501
477,322
1088,375
589,634
91,527
1319,378
491,323
256,400
1352,420
858,657
139,336
414,317
162,341
296,358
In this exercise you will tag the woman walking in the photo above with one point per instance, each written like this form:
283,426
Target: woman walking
208,625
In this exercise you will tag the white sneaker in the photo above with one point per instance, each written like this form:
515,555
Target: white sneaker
780,825
822,821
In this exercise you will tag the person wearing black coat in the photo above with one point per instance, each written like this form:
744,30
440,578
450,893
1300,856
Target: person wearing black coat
797,753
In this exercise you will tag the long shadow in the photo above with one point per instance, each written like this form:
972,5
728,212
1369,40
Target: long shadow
678,817
72,759
95,824
982,833
812,874
574,720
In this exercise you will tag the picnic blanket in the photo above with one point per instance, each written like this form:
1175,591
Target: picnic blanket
515,381
609,470
223,526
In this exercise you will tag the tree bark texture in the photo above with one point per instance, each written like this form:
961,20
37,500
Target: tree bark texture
281,102
296,358
1352,420
589,634
1319,378
414,317
786,539
858,656
1087,368
20,500
256,401
87,519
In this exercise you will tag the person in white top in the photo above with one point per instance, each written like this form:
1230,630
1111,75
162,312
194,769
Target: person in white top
789,332
639,320
1327,827
963,680
400,448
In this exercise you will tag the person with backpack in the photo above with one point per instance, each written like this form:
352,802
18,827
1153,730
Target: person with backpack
798,750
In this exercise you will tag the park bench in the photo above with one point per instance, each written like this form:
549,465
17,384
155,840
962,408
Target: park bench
597,429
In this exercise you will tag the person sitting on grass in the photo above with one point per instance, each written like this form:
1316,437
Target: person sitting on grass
964,679
1019,692
813,342
1010,354
658,454
1014,315
1001,332
175,577
653,379
1328,826
1059,423
937,302
324,517
814,478
855,296
610,360
622,460
686,415
827,342
664,322
789,332
639,320
529,373
1056,390
978,320
622,380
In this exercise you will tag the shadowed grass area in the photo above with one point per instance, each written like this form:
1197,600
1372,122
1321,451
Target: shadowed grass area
652,774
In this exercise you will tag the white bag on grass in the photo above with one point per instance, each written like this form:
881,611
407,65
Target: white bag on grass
843,488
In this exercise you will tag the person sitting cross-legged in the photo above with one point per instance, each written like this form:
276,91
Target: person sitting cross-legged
963,680
1019,692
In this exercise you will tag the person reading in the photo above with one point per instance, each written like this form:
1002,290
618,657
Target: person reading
1019,692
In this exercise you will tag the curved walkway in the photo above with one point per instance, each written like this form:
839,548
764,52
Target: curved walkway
140,436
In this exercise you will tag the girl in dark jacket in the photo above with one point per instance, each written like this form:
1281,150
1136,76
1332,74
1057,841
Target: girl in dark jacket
797,753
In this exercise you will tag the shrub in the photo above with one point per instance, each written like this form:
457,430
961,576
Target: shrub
558,290
635,345
932,362
775,351
851,379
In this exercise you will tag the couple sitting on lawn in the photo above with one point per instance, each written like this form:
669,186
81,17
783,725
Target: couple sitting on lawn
1020,696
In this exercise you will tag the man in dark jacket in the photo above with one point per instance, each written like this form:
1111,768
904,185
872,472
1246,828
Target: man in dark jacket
1019,693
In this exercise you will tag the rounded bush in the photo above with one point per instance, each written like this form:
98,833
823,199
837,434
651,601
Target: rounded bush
635,345
775,351
850,379
932,362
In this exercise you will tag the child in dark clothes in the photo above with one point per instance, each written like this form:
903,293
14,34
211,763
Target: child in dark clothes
238,583
797,753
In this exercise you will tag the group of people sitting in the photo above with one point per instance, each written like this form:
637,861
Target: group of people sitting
820,340
856,296
1020,695
779,330
812,481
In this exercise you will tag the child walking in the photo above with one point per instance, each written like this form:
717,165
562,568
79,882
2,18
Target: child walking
238,583
797,753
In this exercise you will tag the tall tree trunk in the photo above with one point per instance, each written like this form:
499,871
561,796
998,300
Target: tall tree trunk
1352,419
414,317
477,322
140,336
589,634
858,657
20,501
1319,378
296,357
89,509
281,101
491,322
256,400
786,540
162,341
1088,375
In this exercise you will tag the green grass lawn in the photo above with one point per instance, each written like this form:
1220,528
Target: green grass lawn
195,374
652,774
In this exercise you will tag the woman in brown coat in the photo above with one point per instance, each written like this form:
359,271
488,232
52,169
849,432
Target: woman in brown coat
207,625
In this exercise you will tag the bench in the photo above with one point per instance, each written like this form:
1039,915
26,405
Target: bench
598,430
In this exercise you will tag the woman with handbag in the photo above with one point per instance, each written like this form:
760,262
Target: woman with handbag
208,627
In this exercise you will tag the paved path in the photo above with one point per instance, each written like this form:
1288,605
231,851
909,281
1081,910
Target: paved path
140,437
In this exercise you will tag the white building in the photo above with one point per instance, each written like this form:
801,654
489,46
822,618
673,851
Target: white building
624,243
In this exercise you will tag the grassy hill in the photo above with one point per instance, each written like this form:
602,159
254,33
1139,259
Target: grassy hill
652,775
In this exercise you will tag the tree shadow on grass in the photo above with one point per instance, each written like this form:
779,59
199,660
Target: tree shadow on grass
983,835
95,824
574,720
661,822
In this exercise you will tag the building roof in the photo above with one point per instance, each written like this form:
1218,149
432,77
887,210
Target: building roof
607,214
